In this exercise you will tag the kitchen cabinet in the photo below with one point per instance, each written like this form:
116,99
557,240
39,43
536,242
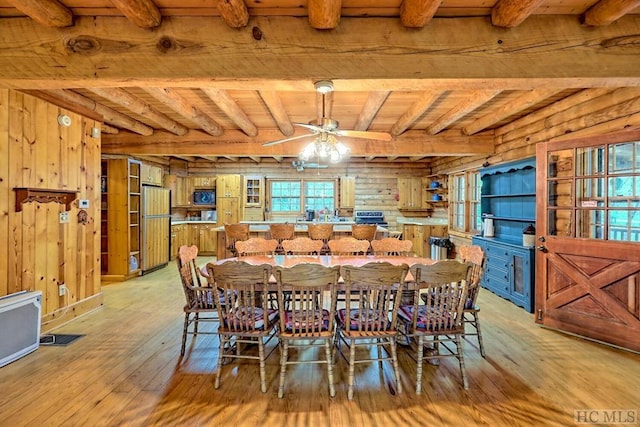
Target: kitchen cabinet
181,190
228,193
205,182
419,234
204,237
253,198
179,236
509,271
151,175
347,192
412,195
121,200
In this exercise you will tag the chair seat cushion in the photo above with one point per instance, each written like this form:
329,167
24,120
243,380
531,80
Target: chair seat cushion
247,317
317,321
425,321
357,317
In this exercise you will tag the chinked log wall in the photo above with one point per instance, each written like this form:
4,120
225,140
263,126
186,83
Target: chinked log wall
36,251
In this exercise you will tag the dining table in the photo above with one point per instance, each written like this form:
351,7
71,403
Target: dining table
329,261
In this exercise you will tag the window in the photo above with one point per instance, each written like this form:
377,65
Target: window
295,196
464,202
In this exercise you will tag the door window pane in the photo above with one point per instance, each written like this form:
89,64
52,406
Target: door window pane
559,222
560,193
624,225
590,192
623,158
590,224
590,161
560,164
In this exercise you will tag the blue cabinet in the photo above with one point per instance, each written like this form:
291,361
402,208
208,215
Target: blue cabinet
509,271
509,194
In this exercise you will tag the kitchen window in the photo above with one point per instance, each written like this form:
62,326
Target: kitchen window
464,202
295,196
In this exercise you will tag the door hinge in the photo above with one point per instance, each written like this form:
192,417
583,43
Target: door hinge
539,314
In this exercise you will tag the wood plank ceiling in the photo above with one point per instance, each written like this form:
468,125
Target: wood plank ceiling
459,86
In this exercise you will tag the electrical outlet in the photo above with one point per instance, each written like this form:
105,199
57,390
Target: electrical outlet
62,290
64,217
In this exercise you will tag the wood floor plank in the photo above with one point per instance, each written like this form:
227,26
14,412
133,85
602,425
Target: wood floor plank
127,371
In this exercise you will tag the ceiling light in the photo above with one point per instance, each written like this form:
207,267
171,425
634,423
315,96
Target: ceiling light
324,86
325,147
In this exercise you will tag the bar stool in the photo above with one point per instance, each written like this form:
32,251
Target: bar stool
322,232
233,233
364,232
281,232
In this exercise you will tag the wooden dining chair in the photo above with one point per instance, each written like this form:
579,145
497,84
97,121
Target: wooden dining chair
322,232
256,246
369,318
391,246
234,233
245,317
471,312
302,246
445,284
348,246
306,315
364,231
281,232
200,302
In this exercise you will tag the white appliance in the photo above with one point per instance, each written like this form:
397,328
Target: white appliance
19,325
489,230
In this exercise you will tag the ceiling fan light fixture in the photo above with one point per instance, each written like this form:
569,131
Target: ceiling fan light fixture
324,86
325,147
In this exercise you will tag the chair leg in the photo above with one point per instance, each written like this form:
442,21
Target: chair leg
352,365
195,324
419,358
284,354
223,341
184,333
463,372
327,349
263,374
394,359
476,323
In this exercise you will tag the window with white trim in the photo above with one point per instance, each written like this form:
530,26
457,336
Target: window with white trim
464,202
296,196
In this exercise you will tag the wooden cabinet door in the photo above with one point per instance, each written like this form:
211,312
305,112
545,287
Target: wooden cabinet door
151,175
410,193
228,210
183,191
228,186
206,182
348,192
253,191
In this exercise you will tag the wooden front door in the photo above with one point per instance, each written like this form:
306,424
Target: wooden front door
588,258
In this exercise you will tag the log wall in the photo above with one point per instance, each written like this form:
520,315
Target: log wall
37,252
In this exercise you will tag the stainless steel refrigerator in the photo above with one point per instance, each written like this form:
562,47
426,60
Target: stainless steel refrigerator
156,227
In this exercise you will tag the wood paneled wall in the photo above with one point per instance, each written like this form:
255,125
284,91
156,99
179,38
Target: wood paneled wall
37,252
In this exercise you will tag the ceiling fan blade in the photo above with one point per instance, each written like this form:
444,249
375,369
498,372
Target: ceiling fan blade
313,128
291,138
381,136
315,166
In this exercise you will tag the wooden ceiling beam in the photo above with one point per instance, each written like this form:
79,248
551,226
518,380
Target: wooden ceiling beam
142,13
472,101
50,13
235,143
109,115
420,105
370,109
324,14
138,106
105,128
521,103
605,12
416,13
511,13
276,109
547,52
178,103
231,108
234,12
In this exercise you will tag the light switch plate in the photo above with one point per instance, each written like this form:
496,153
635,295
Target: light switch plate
64,217
83,204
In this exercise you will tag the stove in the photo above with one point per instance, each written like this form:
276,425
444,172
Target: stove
370,217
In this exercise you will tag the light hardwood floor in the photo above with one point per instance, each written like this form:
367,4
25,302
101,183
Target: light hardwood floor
127,371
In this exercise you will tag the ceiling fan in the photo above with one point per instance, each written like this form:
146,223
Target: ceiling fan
326,127
301,165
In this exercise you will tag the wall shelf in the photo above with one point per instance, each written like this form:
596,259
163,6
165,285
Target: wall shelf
41,195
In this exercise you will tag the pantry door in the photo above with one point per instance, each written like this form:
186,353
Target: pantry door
588,258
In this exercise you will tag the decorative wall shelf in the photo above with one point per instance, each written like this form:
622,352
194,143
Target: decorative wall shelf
41,195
